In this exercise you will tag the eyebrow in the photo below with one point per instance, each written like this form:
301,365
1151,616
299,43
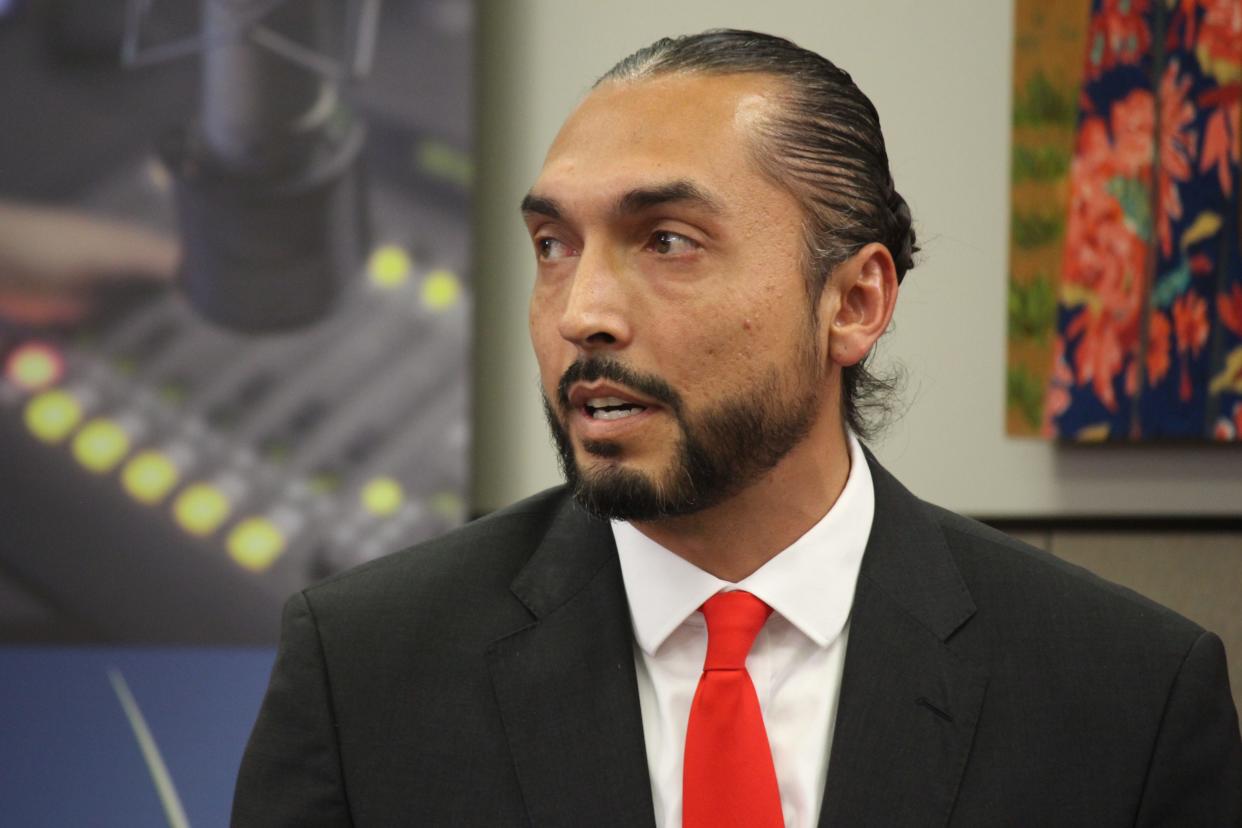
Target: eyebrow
535,204
634,201
682,190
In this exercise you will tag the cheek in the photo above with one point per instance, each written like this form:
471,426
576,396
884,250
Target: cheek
547,346
709,352
739,341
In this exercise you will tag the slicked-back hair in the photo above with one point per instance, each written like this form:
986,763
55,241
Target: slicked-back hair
821,142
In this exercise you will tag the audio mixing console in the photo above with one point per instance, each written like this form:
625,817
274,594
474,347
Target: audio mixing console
168,480
164,480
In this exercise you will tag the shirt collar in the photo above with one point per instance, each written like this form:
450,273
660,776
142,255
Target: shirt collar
810,583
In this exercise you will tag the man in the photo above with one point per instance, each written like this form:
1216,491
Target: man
732,614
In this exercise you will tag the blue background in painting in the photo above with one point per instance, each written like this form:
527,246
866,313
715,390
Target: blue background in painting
69,757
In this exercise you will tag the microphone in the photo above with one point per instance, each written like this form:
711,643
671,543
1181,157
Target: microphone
269,190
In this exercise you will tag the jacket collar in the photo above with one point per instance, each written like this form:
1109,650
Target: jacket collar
568,697
566,684
909,704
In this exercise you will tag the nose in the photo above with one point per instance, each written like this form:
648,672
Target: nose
595,315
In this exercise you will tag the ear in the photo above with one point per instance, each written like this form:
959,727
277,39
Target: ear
858,303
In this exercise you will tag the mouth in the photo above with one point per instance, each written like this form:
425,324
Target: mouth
607,403
611,408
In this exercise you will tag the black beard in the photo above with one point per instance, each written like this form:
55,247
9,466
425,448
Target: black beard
719,453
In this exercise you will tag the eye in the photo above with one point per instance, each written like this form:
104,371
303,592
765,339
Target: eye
668,243
550,249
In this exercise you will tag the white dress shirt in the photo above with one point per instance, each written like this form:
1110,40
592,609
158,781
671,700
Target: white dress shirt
795,663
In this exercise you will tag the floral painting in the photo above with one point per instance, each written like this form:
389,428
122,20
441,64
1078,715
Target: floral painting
1143,340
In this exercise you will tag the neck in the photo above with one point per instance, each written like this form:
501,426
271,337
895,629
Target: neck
737,536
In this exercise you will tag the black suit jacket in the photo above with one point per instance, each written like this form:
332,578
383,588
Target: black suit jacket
487,679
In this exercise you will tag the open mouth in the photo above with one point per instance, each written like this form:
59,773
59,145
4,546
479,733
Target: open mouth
611,408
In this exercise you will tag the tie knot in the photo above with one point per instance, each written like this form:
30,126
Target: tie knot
733,621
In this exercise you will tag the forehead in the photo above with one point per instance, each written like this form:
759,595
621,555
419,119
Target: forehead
676,126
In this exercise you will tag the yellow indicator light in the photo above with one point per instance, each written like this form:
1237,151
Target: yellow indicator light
255,543
149,477
100,445
382,496
35,366
200,509
389,266
441,290
50,416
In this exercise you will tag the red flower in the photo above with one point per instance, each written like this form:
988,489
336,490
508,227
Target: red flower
1186,14
1229,308
1102,252
1133,126
1104,257
1220,33
1101,352
1117,35
1177,143
1191,323
1220,148
1057,397
1201,264
1158,356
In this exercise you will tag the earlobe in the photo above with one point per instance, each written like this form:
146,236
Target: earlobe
865,289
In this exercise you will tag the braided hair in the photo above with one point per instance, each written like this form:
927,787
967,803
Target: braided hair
822,143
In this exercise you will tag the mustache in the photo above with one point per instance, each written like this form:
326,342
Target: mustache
607,368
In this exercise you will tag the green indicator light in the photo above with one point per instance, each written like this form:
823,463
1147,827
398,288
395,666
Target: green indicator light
200,509
255,544
50,416
100,445
441,290
389,266
34,366
382,496
149,477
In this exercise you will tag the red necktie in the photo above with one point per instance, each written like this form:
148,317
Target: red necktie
728,778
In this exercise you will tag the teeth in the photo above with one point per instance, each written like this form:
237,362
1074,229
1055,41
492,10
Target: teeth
611,408
603,402
615,414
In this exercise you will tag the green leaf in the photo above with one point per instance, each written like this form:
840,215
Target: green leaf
1171,285
1032,308
1043,163
1024,392
1042,103
1135,200
1036,229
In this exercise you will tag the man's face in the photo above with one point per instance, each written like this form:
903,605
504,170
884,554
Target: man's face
679,356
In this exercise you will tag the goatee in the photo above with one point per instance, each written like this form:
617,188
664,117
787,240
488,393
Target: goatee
718,452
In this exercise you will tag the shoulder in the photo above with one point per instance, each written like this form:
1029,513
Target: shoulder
1024,591
471,566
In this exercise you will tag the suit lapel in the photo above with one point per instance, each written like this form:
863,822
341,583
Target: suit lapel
566,686
908,704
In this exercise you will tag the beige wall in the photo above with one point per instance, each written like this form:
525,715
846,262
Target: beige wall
939,74
1199,575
